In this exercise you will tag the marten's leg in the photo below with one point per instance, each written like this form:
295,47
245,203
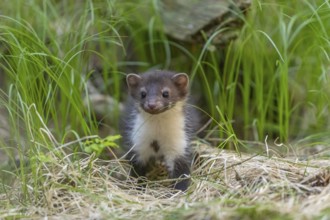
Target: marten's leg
138,168
181,171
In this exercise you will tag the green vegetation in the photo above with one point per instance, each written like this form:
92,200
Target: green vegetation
98,145
271,82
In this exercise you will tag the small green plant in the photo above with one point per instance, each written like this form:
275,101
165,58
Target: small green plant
97,145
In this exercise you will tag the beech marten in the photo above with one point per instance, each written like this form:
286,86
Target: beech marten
158,123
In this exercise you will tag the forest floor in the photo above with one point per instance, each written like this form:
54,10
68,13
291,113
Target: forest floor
224,185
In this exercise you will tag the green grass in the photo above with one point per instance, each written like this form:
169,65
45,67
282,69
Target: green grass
271,83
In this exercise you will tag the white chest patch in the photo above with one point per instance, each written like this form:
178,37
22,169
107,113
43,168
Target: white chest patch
160,135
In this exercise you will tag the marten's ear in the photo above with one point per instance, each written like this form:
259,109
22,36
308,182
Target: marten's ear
181,80
133,80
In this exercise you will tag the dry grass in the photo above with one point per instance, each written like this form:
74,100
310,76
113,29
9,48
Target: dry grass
224,186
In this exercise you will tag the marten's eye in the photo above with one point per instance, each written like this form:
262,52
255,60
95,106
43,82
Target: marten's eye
143,94
166,94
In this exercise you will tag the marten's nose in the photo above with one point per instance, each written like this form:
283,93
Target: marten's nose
152,105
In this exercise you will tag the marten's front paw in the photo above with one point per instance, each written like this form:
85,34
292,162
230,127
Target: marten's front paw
182,183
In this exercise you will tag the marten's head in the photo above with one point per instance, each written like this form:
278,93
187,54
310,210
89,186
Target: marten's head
158,91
